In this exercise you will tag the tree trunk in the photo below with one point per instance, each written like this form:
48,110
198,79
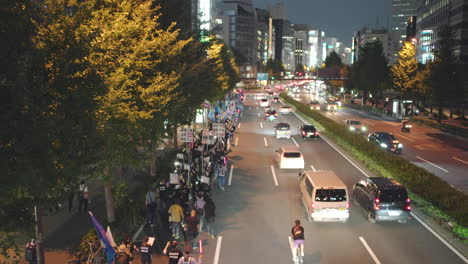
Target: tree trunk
439,115
153,163
110,209
174,132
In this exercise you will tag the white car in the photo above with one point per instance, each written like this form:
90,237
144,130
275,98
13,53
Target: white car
264,103
315,105
283,130
355,126
289,158
285,110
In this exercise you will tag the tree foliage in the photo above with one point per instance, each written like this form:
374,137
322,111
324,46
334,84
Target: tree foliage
405,70
274,68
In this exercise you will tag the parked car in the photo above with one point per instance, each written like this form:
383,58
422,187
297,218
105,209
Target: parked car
383,199
308,131
355,126
386,141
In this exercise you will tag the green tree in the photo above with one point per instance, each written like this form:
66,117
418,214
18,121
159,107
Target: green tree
370,73
274,68
444,78
332,70
333,60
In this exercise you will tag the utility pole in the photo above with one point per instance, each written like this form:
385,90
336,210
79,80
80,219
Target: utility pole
39,236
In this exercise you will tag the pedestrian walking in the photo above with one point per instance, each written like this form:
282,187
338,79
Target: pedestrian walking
187,259
192,225
31,252
150,203
176,216
163,195
145,251
199,206
173,252
221,173
83,197
210,215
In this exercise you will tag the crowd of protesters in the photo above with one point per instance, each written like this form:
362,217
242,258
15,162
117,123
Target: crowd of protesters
181,204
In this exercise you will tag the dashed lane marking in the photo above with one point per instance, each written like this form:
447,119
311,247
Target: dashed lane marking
374,257
460,160
218,250
432,164
264,140
261,125
367,122
407,138
313,168
230,175
237,141
274,175
295,143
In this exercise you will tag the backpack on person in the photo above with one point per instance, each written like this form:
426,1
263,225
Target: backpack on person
30,253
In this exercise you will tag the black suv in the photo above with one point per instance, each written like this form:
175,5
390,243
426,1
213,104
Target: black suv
383,199
386,141
308,131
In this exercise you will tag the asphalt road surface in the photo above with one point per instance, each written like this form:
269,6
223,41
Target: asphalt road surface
257,210
444,155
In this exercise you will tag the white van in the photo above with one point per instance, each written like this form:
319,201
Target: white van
324,196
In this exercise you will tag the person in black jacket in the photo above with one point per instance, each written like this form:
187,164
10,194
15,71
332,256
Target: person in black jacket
297,232
210,215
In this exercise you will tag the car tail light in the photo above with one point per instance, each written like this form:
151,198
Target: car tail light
316,133
276,114
408,208
408,200
377,204
303,133
347,205
312,208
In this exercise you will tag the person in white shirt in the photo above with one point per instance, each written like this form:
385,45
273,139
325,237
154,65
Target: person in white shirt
83,197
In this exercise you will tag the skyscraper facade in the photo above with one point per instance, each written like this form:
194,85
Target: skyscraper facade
401,11
284,43
301,45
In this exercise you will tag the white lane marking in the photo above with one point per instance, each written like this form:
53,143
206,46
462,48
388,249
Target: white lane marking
295,143
291,245
412,213
460,160
264,140
313,168
440,141
237,141
345,113
367,122
230,175
274,175
258,114
261,125
376,260
238,126
432,164
218,250
405,137
454,250
391,123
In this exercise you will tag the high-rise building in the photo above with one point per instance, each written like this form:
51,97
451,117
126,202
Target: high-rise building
411,28
366,35
239,30
277,11
315,48
401,11
284,43
301,45
263,38
431,17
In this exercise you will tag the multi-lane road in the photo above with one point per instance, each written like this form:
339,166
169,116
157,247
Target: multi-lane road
444,155
261,202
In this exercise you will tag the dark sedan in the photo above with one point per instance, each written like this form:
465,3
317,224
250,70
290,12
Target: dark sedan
308,131
386,141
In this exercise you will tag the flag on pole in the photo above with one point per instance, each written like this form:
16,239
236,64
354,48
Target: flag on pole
110,251
110,237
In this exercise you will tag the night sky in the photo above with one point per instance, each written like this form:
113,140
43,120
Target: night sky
338,18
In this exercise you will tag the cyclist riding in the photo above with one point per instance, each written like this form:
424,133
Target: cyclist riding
297,232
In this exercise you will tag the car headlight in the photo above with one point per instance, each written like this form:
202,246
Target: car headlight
328,107
339,103
400,145
383,145
352,128
364,128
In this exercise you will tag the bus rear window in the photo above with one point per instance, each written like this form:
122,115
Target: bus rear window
330,195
